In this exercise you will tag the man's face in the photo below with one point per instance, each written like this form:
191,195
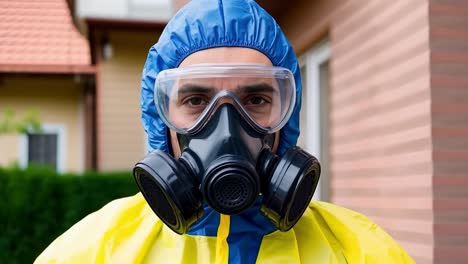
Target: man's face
220,55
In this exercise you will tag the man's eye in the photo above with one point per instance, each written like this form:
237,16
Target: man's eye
256,100
196,101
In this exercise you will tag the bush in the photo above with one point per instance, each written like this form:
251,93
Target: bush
37,205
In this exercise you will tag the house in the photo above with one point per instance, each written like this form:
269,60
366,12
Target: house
45,66
81,75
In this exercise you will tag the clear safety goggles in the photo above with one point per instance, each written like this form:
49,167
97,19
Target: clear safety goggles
187,97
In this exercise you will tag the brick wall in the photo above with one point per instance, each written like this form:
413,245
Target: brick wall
449,88
380,119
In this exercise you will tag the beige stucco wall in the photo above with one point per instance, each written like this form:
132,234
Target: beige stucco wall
121,139
9,148
57,101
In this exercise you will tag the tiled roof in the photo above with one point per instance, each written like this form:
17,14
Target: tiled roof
39,35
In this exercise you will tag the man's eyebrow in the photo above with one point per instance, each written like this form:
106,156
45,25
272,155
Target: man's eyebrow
194,88
257,88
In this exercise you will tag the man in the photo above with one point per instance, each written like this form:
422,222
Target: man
220,103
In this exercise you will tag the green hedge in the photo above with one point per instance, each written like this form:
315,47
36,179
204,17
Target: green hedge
37,205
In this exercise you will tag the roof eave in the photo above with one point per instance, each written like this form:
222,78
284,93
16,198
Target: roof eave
54,69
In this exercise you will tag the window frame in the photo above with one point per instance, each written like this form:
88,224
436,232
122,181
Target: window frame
312,60
47,128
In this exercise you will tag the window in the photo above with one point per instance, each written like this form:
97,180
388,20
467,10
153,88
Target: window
45,148
42,149
314,114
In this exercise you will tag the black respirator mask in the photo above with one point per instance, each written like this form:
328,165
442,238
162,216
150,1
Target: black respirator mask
225,118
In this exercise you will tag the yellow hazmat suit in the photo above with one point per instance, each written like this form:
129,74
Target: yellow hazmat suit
128,231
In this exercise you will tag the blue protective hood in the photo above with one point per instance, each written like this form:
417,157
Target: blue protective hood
204,24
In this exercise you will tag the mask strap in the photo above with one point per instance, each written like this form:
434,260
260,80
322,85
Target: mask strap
169,142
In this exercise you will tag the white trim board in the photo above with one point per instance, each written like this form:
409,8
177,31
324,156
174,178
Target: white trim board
312,60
